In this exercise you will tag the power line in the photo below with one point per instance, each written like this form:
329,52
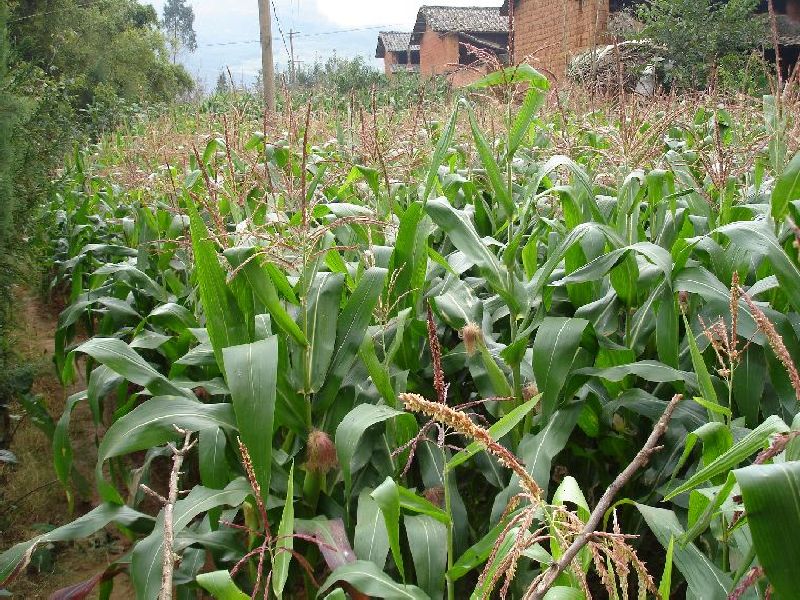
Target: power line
280,30
312,34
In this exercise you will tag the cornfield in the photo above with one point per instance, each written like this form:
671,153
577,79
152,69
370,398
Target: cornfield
518,348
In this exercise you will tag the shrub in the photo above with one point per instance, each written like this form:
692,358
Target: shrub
700,35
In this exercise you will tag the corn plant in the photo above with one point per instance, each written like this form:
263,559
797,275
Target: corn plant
505,372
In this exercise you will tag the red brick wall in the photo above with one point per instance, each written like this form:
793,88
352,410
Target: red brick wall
467,75
389,59
548,32
793,10
437,53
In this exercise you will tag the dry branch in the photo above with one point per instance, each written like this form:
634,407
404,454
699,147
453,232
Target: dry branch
548,577
178,454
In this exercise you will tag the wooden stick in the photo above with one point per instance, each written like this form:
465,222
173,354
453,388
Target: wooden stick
538,590
168,564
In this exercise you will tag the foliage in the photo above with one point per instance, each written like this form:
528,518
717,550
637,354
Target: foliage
68,71
337,80
701,36
303,301
9,114
179,26
103,44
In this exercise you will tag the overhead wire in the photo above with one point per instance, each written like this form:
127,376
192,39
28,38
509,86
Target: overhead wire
312,34
280,30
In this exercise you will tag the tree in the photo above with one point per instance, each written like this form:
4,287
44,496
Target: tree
9,115
179,26
698,36
222,83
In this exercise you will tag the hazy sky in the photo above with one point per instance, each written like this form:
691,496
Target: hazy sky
227,30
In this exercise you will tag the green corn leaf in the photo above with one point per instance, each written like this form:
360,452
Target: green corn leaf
496,177
353,426
264,289
523,73
285,542
120,358
554,348
749,380
351,329
220,585
18,556
368,579
535,98
667,328
756,238
377,371
462,234
498,379
252,374
770,494
371,535
427,539
705,580
152,424
135,278
62,448
665,586
214,471
787,189
225,321
147,557
497,431
411,501
649,370
538,451
703,376
409,260
318,323
750,444
477,554
704,518
445,139
387,497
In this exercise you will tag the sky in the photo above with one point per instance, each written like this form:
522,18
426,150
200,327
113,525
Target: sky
227,31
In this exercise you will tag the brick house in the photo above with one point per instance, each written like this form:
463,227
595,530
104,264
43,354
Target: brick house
548,33
445,35
397,52
788,21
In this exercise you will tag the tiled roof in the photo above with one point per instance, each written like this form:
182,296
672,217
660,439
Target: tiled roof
468,19
483,42
788,31
393,41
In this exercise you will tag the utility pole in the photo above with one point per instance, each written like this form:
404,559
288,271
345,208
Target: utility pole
292,74
267,64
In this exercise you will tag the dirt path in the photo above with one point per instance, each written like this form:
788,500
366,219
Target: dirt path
32,500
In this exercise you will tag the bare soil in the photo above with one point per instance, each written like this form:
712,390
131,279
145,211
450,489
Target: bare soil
31,498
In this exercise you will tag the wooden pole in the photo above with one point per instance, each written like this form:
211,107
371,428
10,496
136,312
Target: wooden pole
267,64
292,74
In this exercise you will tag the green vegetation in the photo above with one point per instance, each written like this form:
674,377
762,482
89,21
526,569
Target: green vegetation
69,71
705,41
179,27
415,358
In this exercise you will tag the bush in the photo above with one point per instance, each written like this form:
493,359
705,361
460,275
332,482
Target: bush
698,36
